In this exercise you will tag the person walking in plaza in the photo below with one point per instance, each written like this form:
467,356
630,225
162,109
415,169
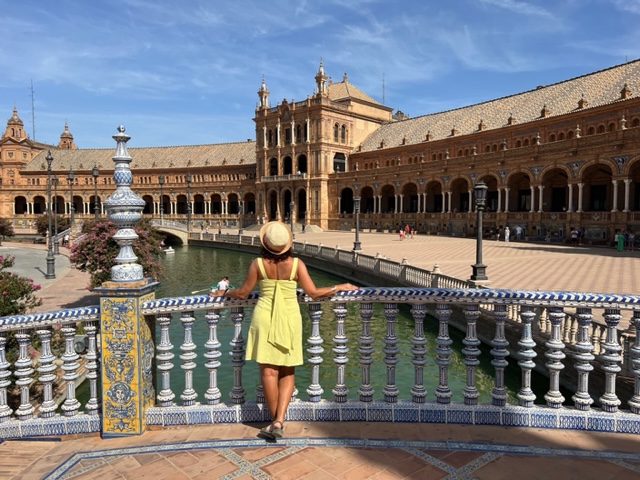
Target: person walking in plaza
518,232
507,233
274,339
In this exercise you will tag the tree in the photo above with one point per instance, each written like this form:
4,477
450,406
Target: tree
17,293
6,228
42,224
95,252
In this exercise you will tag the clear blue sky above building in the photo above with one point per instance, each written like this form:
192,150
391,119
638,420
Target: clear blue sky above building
187,72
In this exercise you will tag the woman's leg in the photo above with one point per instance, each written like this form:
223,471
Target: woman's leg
269,377
278,384
286,384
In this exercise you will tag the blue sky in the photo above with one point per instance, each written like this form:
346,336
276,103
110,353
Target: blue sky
187,72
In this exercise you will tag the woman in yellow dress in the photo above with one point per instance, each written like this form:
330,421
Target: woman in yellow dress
274,340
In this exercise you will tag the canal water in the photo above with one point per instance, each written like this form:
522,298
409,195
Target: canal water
197,268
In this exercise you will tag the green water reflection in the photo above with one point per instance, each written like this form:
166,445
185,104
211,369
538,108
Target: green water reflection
195,268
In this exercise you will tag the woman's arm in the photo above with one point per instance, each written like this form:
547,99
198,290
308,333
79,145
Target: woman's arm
245,289
306,283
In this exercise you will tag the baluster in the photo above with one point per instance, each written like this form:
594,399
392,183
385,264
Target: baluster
471,352
595,338
526,354
574,330
443,352
47,376
566,329
315,351
70,366
340,349
634,402
5,374
583,357
188,356
23,372
500,354
390,350
212,353
237,356
418,342
555,355
610,360
365,348
163,357
91,329
544,320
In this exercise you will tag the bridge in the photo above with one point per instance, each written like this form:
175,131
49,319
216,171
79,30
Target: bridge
172,228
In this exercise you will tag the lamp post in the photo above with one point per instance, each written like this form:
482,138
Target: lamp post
356,208
479,269
71,207
240,212
51,260
95,174
56,241
161,182
188,179
291,207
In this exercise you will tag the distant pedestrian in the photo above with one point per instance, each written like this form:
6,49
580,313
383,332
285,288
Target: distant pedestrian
574,236
631,240
518,232
507,234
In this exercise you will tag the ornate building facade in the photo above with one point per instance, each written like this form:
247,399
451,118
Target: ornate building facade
558,157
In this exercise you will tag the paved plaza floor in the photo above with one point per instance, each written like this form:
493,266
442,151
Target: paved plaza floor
353,450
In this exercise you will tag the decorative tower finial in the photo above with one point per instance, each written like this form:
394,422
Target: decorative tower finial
124,208
263,94
321,80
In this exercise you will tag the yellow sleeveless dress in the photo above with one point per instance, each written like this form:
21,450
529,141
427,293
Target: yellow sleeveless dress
275,332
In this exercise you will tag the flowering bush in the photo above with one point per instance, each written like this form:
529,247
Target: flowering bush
17,293
96,251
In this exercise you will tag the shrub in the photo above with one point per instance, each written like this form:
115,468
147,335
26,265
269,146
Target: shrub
96,250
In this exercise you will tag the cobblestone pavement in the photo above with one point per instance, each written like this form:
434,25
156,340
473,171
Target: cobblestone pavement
354,450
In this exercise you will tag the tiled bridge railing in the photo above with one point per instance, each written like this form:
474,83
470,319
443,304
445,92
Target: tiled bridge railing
382,269
34,379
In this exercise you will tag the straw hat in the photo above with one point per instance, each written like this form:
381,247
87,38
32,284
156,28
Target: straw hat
276,237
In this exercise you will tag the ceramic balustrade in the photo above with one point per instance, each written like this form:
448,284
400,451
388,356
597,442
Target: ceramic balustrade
29,369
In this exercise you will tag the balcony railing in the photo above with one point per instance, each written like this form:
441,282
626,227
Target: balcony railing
38,383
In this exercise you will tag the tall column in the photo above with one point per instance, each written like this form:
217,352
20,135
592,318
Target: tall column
499,209
449,196
506,199
444,202
614,200
401,201
379,204
395,204
127,336
419,210
339,205
470,209
570,206
540,198
580,196
627,193
533,196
